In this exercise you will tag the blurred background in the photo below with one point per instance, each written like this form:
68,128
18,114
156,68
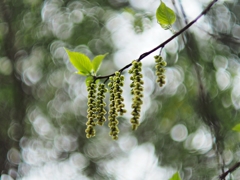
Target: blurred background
185,125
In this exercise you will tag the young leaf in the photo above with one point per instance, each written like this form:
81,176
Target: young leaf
236,128
96,62
80,61
81,73
176,176
165,16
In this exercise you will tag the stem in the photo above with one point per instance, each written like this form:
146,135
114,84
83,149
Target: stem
233,168
165,42
183,12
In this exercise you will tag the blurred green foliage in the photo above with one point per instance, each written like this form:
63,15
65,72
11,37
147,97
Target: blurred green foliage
186,126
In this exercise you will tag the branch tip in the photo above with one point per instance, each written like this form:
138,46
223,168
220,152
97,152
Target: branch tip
142,56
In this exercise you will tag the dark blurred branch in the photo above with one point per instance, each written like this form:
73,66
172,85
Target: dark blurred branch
205,109
233,168
183,12
165,42
223,38
175,7
179,21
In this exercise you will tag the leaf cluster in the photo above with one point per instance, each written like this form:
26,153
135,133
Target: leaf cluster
83,64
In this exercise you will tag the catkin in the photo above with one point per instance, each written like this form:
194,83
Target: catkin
112,114
100,104
160,70
137,92
90,131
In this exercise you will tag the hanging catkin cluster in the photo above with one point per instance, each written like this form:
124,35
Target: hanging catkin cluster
137,89
96,96
96,106
160,64
116,105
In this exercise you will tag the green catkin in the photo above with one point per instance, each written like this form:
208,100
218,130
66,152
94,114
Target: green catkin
96,105
116,106
90,131
100,104
160,70
137,92
118,81
112,114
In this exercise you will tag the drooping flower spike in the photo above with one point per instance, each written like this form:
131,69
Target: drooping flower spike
137,92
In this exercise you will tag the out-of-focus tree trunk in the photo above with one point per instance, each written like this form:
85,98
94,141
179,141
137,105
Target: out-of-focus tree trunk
15,113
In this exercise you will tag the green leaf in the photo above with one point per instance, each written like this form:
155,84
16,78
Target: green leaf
97,61
80,61
236,128
81,73
176,176
165,16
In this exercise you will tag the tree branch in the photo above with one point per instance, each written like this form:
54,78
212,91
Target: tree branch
164,43
233,168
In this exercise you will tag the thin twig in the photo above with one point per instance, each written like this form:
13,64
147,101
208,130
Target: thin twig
183,12
165,42
160,52
233,168
178,15
221,37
